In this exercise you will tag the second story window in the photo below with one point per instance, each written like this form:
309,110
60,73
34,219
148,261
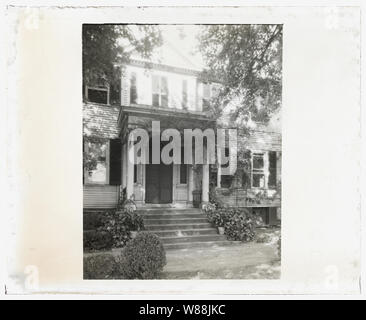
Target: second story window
258,170
184,94
206,96
133,88
159,91
97,94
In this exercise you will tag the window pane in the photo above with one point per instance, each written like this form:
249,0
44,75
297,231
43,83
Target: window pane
258,180
98,96
155,100
164,86
98,151
164,101
258,162
155,84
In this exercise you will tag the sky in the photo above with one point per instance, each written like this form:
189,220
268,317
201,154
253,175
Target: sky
179,47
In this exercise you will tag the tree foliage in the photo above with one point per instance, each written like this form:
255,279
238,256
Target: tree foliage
105,46
247,60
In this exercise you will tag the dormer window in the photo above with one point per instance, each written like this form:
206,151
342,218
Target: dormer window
159,91
97,94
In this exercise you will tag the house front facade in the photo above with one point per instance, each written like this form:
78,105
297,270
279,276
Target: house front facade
177,98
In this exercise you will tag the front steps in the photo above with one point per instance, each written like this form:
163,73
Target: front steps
181,228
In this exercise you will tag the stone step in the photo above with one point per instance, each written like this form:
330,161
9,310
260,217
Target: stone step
199,238
183,233
163,216
204,244
169,211
174,221
178,226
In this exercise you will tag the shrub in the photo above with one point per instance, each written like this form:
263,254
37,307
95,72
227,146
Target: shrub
143,257
134,221
97,240
100,266
115,223
240,225
219,217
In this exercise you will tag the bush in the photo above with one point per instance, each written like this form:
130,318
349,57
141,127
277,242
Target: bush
219,217
143,257
100,266
240,225
97,240
119,224
279,247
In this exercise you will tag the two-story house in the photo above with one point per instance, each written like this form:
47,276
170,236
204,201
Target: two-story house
173,94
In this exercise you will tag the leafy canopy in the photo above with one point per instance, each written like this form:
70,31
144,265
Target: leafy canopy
106,45
247,60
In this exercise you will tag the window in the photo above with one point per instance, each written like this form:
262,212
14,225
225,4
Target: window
272,167
133,88
184,94
97,95
98,155
159,91
258,170
206,96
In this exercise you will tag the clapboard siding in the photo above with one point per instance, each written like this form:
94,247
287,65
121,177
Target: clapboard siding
100,197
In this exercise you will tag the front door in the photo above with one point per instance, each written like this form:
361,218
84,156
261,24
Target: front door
159,183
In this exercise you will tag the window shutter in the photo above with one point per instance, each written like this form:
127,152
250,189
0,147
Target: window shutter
125,90
115,162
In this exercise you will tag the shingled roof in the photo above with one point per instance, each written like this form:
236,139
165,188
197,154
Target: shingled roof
100,121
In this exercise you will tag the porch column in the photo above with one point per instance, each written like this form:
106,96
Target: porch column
219,175
205,183
130,170
124,165
190,183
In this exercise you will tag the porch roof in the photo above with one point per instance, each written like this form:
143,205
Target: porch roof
100,120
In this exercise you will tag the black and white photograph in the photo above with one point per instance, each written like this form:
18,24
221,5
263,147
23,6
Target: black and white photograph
196,151
198,107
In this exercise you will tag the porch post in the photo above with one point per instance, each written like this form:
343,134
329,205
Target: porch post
130,170
124,165
190,184
219,175
205,183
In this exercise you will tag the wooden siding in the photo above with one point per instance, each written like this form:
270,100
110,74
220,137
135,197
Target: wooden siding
100,196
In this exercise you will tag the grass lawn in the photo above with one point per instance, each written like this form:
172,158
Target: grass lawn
236,261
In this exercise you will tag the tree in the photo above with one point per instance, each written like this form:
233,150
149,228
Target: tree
105,46
247,60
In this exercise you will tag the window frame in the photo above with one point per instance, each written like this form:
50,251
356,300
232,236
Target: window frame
107,164
258,171
160,92
107,89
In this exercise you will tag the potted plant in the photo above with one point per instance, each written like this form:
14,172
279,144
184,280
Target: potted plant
135,223
219,219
